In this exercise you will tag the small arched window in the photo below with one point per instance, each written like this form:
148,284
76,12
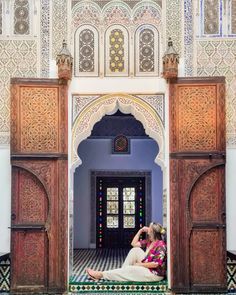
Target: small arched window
21,17
116,51
211,11
86,51
146,51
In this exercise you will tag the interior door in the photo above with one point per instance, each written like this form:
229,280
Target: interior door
197,185
120,210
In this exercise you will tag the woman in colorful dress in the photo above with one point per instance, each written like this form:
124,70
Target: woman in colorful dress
139,265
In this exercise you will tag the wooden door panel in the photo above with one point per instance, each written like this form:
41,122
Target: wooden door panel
39,186
197,185
30,249
206,205
206,270
30,202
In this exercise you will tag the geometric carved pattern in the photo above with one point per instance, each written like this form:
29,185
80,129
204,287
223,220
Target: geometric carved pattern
204,199
217,58
146,51
59,27
34,115
18,59
173,23
197,129
231,273
5,273
21,17
206,241
117,51
126,22
188,38
45,37
32,199
116,44
233,17
211,17
86,49
32,259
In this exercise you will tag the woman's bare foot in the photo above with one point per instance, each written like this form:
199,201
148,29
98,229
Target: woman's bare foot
93,274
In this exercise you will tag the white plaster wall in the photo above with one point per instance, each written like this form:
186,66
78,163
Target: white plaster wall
117,85
5,198
231,198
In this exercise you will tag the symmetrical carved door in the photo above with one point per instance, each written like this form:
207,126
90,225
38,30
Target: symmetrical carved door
39,186
197,185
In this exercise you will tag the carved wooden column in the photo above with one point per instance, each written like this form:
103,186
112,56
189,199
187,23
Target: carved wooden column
197,185
39,186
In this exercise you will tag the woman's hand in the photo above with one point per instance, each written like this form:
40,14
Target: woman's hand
144,229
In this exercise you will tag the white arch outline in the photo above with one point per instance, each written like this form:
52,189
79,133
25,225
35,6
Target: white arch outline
109,104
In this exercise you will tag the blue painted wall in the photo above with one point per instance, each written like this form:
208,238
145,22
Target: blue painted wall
96,155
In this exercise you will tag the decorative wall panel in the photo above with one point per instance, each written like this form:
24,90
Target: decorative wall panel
21,17
86,51
174,23
79,102
233,17
211,14
117,51
59,25
17,59
45,37
188,37
216,58
142,16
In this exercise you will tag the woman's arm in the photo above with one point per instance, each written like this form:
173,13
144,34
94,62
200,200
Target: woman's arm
135,242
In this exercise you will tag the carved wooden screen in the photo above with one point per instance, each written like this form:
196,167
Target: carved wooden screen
197,185
39,186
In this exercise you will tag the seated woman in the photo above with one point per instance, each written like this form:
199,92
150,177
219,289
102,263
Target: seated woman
148,266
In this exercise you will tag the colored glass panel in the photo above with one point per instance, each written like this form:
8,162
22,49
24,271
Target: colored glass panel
146,51
129,221
112,221
86,51
129,194
129,207
112,207
112,193
116,41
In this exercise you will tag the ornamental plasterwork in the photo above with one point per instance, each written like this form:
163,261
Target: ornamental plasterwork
174,23
18,59
119,14
59,25
45,37
217,58
108,104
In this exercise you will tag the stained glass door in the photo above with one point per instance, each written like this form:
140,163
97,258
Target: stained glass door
120,210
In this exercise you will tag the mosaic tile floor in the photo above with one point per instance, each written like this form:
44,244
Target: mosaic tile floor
103,260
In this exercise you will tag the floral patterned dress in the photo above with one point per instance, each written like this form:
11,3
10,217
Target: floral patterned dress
156,254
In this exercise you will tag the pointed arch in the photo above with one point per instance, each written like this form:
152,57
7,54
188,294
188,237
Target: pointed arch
109,104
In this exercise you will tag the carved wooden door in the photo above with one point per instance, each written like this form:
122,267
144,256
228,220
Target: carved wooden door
197,185
39,186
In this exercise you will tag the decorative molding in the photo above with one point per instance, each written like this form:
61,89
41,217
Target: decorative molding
174,24
45,37
188,37
59,25
109,104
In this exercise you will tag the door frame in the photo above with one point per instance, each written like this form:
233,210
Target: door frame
118,173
